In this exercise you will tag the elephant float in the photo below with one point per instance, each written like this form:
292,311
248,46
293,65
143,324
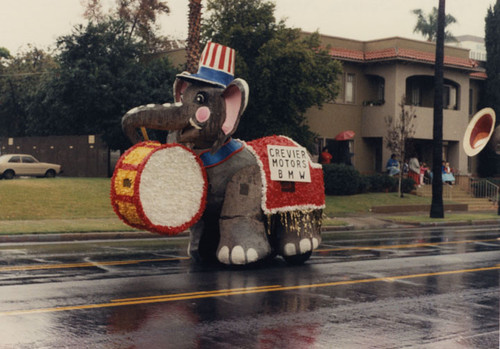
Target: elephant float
260,198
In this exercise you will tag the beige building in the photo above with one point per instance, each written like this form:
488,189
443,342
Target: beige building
377,74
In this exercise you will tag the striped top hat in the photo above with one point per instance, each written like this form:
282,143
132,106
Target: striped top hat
216,66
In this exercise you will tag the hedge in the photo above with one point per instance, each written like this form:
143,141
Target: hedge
343,179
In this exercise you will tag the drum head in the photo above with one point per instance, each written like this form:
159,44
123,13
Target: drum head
169,189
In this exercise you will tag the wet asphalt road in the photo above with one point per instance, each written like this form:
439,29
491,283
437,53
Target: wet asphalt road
417,288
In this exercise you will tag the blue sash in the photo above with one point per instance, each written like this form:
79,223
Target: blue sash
225,152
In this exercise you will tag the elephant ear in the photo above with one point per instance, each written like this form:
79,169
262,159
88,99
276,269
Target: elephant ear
235,98
179,88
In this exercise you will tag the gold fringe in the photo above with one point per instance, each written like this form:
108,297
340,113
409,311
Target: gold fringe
297,221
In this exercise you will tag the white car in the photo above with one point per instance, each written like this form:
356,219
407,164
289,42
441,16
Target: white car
12,165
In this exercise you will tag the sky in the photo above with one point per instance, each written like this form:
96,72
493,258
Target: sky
41,22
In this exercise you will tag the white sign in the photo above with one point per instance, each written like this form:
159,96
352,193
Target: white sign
290,164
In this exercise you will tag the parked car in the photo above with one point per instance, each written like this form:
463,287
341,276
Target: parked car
26,165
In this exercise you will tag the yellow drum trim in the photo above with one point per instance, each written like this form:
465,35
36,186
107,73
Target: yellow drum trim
138,154
129,211
124,182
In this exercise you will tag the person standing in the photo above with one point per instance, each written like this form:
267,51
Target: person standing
414,170
325,157
423,170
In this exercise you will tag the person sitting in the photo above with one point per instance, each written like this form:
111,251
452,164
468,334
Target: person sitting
325,157
392,166
447,174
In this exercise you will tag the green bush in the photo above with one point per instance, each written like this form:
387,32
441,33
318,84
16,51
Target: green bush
365,185
407,185
341,179
381,183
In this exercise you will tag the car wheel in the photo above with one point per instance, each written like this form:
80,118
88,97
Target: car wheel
50,174
9,174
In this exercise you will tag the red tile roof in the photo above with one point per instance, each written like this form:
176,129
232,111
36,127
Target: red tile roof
479,75
339,52
399,53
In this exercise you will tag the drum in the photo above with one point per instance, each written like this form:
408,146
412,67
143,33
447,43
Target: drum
158,187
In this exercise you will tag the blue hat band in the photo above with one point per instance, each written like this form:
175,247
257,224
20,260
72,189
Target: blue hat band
212,76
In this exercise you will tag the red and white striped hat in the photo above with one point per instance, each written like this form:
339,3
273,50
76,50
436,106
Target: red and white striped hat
216,66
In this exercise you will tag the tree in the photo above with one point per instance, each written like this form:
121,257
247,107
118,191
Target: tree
101,75
427,25
437,208
399,131
488,160
287,73
193,41
4,53
492,37
20,78
141,17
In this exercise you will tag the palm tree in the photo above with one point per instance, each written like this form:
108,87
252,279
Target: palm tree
193,41
427,25
437,209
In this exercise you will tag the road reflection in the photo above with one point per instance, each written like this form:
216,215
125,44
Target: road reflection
356,291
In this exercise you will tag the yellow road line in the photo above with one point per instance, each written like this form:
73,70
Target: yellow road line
86,264
196,293
236,291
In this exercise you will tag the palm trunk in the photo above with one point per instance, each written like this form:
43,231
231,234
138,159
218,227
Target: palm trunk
193,41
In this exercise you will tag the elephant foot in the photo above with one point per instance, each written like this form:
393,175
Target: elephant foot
299,233
243,240
299,246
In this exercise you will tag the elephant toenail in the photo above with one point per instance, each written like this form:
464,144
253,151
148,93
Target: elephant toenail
252,255
238,255
223,255
305,245
289,250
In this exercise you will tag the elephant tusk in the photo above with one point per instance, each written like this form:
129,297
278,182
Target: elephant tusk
194,124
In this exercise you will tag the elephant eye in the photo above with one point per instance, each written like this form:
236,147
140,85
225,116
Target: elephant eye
200,98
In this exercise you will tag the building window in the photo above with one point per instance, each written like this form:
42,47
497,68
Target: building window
349,88
450,97
381,90
415,96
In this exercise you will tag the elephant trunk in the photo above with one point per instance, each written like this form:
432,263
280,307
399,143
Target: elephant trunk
166,117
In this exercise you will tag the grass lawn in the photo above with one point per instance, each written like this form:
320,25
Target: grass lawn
54,205
344,205
55,198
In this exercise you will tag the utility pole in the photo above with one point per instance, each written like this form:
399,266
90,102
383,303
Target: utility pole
437,207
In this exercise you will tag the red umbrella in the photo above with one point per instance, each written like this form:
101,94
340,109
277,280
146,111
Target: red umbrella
345,135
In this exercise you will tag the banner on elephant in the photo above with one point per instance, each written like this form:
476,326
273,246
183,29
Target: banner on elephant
290,164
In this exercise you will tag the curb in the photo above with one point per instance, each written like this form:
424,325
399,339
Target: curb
144,235
65,237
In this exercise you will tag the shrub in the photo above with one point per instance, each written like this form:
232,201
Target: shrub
407,185
341,179
381,182
365,185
